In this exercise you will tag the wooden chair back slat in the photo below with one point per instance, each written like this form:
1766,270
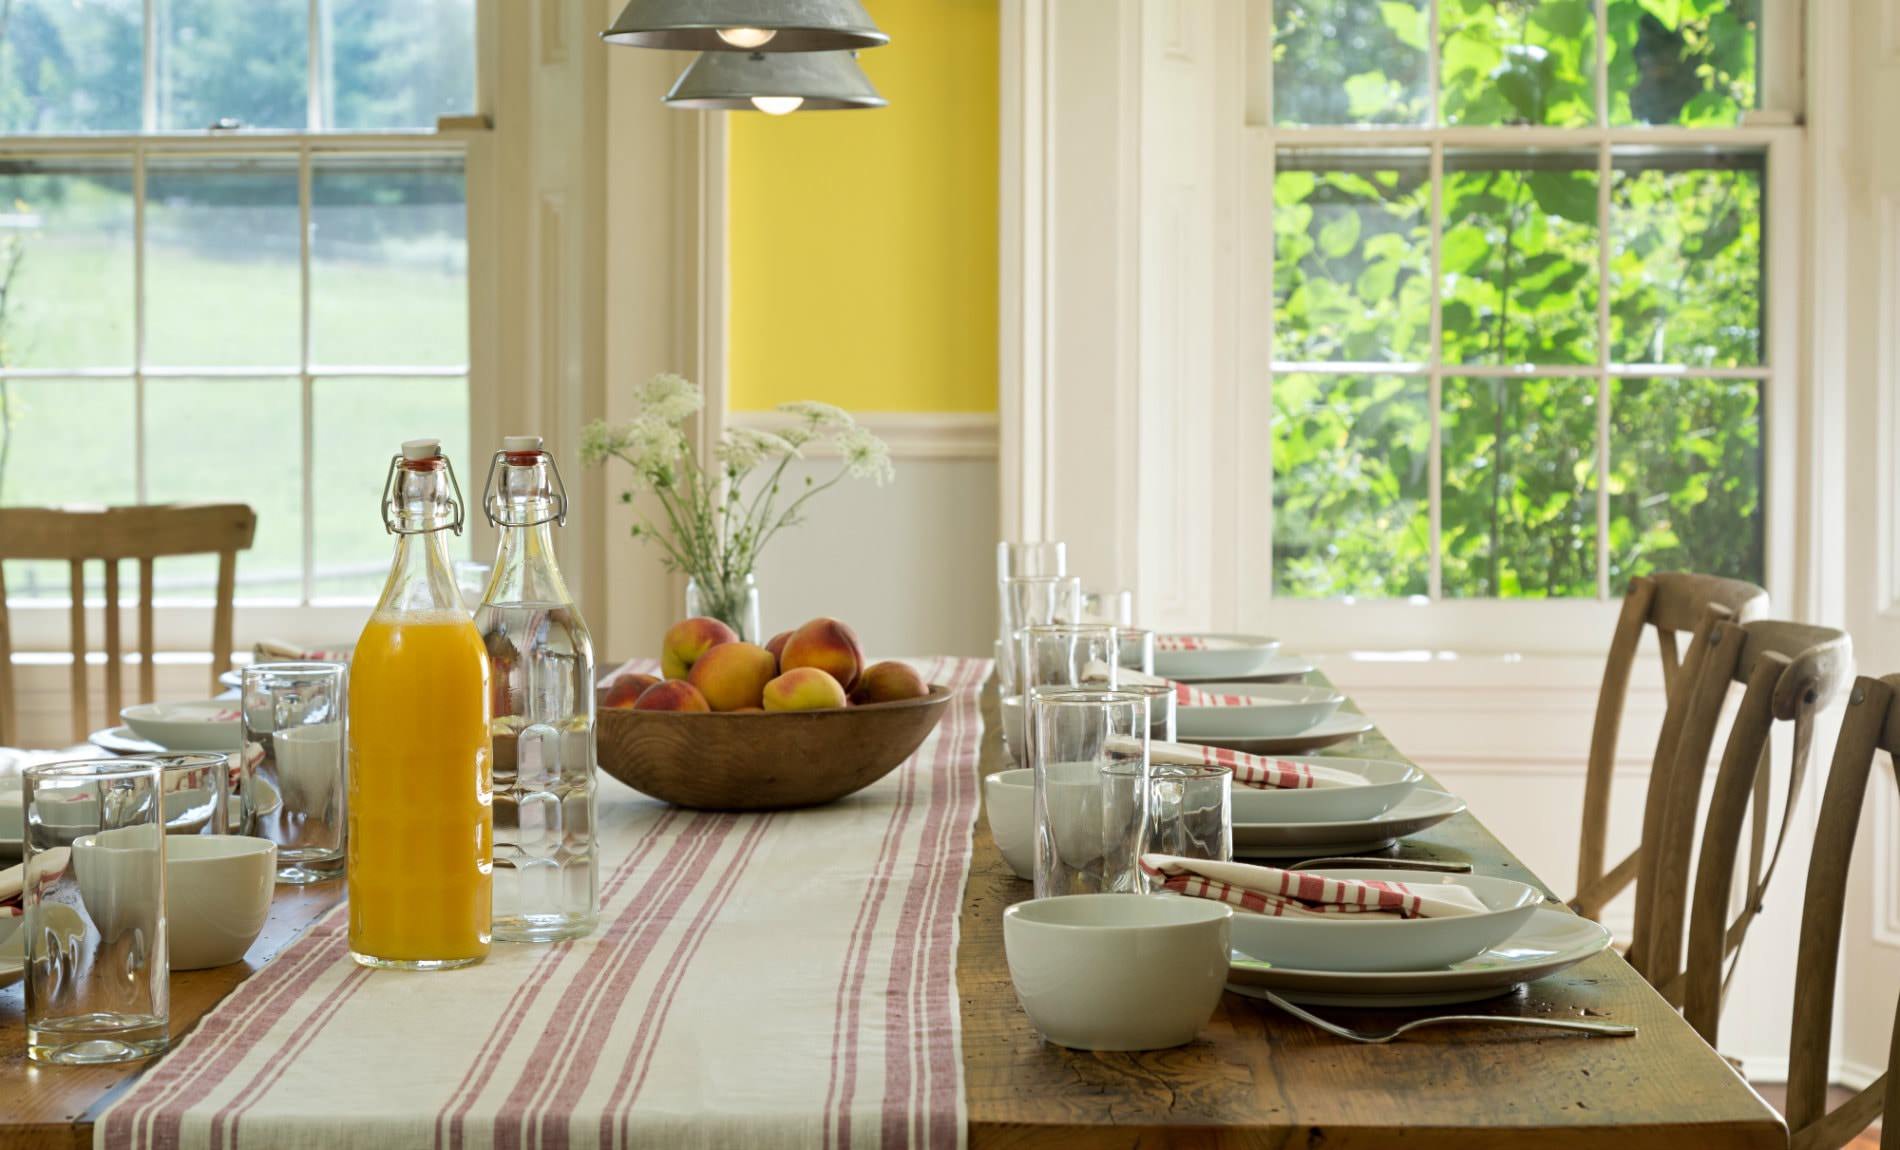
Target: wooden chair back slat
111,534
1790,672
1871,725
1671,661
1681,598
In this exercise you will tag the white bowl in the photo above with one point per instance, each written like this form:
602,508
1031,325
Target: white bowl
9,926
1118,971
117,871
187,726
1281,709
1238,662
1075,811
1009,801
1387,785
1385,942
1012,708
217,896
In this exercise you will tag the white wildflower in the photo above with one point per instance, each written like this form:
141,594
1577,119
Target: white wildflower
652,444
669,398
744,448
865,455
819,416
599,440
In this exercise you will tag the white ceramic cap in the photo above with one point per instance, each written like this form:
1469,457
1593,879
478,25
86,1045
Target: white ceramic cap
521,443
421,448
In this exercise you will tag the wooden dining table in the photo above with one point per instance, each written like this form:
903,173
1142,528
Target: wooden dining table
1254,1078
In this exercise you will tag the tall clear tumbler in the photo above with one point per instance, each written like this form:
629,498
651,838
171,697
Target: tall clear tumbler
97,964
1079,736
1032,601
292,777
1059,656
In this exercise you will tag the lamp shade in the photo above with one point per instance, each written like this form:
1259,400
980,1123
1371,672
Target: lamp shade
737,81
777,26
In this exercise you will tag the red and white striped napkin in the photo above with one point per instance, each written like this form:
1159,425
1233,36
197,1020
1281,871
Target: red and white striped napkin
1290,893
1260,771
1199,643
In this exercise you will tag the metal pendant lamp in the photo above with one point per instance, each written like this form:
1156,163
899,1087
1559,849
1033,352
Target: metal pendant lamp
774,26
776,84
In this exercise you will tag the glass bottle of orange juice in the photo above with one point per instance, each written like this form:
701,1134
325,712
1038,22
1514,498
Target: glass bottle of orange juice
421,835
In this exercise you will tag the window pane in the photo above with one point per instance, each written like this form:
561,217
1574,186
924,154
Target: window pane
1685,276
397,65
64,442
1519,515
66,263
360,424
1520,259
1351,466
238,441
1680,62
1685,478
1352,256
222,286
1350,62
241,60
1518,62
69,66
389,251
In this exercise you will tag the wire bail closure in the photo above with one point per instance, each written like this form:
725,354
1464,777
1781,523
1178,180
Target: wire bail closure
389,489
493,507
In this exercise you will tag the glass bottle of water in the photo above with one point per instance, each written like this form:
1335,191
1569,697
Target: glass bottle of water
541,676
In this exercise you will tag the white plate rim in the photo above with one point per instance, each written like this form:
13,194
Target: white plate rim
1288,667
1305,840
1337,728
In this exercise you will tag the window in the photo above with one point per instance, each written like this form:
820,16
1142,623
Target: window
233,266
1520,331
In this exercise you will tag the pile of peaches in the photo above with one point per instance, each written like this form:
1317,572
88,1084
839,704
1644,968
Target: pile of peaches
817,667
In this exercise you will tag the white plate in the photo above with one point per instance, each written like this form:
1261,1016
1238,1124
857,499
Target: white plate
1228,662
1552,939
1337,729
124,740
1387,785
1386,942
1421,809
1277,669
196,726
1282,709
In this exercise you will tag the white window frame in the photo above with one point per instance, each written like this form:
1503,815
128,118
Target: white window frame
43,624
1554,624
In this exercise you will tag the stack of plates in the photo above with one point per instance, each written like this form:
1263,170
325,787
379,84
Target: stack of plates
1339,820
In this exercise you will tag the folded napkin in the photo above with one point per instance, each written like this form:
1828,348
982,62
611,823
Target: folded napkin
1261,771
277,651
1199,643
1291,893
1184,695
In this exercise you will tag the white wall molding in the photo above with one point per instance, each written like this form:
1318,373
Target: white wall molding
910,434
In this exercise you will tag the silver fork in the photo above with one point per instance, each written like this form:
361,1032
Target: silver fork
1606,1029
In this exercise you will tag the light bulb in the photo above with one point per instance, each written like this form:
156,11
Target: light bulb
747,37
777,105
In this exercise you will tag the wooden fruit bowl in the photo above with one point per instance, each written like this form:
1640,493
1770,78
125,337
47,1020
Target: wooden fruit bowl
763,761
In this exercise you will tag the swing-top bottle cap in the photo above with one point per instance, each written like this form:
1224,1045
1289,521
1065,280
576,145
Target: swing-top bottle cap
516,443
414,449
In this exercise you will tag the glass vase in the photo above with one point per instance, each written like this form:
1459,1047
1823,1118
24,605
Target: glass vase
734,602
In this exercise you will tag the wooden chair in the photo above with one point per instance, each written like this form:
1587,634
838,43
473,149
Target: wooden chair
1871,725
111,534
1672,603
1791,671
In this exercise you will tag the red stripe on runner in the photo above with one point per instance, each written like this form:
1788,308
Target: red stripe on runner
946,1064
274,1067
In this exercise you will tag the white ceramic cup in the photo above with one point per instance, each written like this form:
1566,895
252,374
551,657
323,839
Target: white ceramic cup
1118,971
217,896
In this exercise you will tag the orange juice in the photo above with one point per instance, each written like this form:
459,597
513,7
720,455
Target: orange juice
421,827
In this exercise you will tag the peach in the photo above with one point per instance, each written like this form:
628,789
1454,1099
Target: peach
889,682
804,689
622,690
776,644
671,695
827,645
687,640
733,675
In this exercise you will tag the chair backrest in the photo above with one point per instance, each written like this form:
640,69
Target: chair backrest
1672,603
1791,671
143,533
1871,725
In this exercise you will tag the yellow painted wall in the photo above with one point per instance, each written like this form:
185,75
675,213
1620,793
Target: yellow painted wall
862,244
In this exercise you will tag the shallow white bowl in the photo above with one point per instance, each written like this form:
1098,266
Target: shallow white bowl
1384,942
217,896
1118,971
186,726
1387,785
1283,709
1238,662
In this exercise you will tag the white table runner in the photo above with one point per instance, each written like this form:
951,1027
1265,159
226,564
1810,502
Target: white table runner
774,979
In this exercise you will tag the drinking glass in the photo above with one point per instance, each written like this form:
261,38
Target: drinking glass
196,787
1032,601
1114,607
97,967
1060,656
1161,703
1189,810
1013,559
292,777
1077,735
1137,649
